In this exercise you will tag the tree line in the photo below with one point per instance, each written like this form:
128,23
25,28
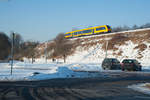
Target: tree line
21,48
61,47
126,28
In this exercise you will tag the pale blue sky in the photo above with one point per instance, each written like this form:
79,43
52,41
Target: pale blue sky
42,20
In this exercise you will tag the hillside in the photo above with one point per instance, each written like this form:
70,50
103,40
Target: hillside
121,45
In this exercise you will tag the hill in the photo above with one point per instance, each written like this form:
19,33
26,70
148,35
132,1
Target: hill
92,49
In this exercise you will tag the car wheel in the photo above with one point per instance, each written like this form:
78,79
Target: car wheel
140,69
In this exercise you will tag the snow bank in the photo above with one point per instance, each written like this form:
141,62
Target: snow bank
95,67
63,72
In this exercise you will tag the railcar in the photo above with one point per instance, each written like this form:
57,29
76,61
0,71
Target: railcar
89,31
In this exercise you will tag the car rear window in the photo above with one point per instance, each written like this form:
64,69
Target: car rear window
115,61
111,60
127,61
136,62
107,60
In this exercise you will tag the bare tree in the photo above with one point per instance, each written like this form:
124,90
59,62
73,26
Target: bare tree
28,49
117,29
120,28
62,46
147,25
135,27
18,40
125,28
5,46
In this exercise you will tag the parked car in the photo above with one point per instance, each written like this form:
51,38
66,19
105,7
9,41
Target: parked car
131,65
111,64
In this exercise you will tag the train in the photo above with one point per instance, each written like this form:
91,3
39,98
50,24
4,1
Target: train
88,31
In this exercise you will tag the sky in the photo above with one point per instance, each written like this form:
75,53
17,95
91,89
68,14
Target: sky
43,20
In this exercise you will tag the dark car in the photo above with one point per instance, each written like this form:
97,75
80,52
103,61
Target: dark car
111,63
131,65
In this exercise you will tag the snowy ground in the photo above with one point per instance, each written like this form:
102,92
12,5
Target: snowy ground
141,88
26,70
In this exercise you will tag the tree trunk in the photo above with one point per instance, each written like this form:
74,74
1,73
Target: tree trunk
32,59
64,58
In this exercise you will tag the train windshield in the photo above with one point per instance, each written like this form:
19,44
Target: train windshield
67,34
108,27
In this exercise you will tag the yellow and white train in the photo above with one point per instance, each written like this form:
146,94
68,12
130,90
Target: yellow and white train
89,31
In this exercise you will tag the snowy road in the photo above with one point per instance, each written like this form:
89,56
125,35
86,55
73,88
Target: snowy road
104,88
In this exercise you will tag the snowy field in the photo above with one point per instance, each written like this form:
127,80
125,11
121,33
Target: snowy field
25,71
28,71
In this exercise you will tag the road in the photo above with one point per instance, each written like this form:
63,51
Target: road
104,88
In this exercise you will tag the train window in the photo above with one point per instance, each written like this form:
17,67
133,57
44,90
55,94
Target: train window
90,30
100,28
80,32
87,31
75,33
72,33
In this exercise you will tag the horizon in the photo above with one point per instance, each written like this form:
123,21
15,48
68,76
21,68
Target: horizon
44,20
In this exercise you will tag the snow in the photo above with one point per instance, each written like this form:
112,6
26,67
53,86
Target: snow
141,88
96,54
146,56
23,71
95,67
26,71
78,64
64,72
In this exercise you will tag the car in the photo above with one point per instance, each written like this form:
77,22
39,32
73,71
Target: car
131,65
111,64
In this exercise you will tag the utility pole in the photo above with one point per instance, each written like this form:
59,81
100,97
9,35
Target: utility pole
12,52
106,49
46,52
